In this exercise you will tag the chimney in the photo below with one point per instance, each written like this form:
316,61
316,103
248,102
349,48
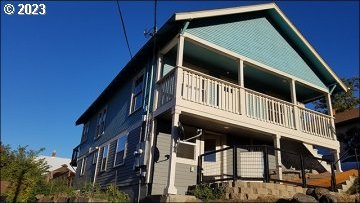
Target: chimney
53,154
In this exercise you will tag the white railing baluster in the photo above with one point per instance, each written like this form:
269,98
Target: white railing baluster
209,91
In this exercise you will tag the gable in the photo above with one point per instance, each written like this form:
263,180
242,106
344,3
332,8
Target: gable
258,39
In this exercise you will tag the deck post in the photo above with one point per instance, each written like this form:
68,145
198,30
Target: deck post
303,174
180,51
170,188
294,101
241,84
336,154
235,176
330,113
157,78
278,156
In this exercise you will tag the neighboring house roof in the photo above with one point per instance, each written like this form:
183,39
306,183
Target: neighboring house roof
347,115
57,162
175,23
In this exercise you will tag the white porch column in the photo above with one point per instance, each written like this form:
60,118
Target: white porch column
157,78
179,62
242,90
294,101
330,113
336,154
170,188
278,156
180,51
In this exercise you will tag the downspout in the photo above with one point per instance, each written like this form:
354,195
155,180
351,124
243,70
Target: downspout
151,163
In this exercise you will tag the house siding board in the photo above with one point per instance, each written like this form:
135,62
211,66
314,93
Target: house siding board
117,118
184,177
122,175
256,38
161,164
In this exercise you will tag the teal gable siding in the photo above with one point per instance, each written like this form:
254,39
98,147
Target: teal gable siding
259,40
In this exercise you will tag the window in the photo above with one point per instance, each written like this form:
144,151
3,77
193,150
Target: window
137,94
100,125
104,157
85,132
120,153
83,166
186,150
94,159
210,145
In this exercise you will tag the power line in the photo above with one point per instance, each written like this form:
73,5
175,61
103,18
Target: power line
123,26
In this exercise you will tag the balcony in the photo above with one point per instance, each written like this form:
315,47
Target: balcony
199,93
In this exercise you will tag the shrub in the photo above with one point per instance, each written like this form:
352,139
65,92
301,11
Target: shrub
206,193
115,195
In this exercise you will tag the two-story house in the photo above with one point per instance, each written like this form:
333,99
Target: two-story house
220,78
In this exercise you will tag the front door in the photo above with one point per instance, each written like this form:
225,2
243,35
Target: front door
212,163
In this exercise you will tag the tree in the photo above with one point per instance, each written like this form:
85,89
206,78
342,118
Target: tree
24,172
342,101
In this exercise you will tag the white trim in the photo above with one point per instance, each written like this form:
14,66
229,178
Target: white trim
125,150
252,8
185,160
234,55
303,39
223,11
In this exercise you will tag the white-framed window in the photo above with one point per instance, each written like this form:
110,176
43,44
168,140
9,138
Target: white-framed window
137,93
85,132
120,152
186,150
100,124
83,166
104,157
94,158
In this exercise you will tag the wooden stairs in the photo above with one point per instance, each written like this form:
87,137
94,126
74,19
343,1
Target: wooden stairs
344,180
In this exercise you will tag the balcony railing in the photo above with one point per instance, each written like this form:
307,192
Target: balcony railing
269,109
206,90
315,123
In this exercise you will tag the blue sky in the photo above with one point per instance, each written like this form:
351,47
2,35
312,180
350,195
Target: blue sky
54,66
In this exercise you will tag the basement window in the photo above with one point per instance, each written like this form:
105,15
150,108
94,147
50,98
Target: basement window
104,157
94,159
83,166
120,153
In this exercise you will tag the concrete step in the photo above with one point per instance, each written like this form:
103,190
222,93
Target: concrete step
345,187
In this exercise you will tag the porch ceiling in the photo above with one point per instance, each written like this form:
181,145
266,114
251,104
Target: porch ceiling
255,78
212,61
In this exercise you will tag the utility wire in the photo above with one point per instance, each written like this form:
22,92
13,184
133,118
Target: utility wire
123,26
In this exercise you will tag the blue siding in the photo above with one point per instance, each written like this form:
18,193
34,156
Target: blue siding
117,118
259,40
